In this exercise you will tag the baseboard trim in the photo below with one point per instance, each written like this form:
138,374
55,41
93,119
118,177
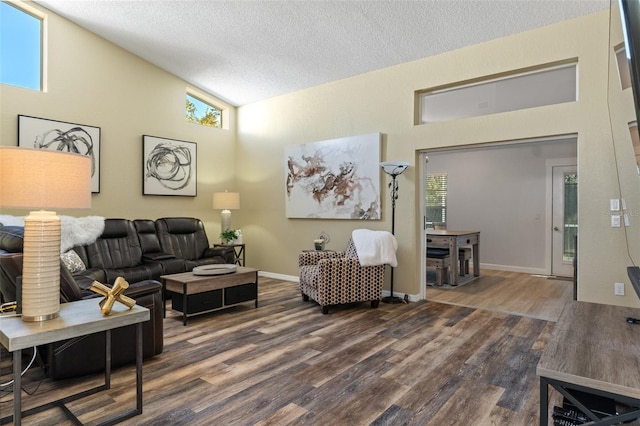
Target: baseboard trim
412,297
509,268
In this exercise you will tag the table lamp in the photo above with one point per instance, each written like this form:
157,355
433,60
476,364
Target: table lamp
226,201
39,178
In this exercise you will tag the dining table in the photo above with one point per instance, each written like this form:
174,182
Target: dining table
454,240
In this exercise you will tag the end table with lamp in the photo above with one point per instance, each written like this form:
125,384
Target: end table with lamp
238,253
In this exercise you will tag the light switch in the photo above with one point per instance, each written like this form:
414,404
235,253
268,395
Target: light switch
614,204
615,221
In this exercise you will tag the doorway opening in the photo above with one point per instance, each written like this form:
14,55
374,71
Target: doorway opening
505,191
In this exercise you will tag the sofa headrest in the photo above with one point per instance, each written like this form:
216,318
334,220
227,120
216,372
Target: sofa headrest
116,228
145,226
11,238
182,225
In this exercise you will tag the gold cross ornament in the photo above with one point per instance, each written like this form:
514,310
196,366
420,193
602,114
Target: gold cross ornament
112,294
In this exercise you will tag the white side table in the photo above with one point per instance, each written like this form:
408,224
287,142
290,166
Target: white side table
76,319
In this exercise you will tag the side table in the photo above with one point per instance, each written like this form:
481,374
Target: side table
238,253
76,319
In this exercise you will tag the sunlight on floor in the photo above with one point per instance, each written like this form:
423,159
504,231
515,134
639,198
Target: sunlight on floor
509,292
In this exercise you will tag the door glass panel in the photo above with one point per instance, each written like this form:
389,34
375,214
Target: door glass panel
570,215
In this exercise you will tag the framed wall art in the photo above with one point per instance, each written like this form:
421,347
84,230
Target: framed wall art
334,179
54,135
169,167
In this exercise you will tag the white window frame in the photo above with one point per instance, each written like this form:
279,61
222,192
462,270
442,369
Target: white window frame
498,93
42,17
209,102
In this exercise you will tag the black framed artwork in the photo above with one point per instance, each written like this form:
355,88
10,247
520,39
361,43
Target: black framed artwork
169,167
55,135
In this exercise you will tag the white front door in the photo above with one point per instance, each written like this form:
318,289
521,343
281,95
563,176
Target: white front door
564,219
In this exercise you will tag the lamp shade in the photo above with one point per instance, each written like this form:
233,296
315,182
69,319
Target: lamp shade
42,179
394,168
39,178
226,200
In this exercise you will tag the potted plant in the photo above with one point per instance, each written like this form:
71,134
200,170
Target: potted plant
228,236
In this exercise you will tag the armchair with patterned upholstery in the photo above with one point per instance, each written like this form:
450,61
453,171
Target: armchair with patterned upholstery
336,277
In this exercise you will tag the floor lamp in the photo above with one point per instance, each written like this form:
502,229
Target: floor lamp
393,169
42,179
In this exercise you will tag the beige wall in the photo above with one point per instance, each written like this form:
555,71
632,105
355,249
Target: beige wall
91,81
382,101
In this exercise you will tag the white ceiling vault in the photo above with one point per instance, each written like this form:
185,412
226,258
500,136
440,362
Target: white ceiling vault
244,51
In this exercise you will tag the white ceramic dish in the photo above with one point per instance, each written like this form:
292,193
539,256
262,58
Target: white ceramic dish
216,269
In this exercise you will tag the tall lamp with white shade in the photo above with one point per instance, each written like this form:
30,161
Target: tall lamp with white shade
393,169
226,201
43,179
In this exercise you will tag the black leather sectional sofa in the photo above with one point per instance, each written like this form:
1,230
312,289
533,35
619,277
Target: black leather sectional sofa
144,249
138,250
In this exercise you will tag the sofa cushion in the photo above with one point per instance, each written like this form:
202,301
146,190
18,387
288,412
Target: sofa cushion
70,291
146,271
11,238
72,261
10,270
149,241
87,277
183,237
117,247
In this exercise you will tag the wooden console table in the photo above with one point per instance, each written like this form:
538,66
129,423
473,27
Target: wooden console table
76,319
593,349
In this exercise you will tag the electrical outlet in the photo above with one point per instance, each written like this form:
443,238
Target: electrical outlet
618,289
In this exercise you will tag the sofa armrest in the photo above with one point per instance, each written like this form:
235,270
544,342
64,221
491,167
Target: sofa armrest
227,253
143,288
310,258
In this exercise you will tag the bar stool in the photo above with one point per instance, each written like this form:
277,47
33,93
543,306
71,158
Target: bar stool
464,255
439,260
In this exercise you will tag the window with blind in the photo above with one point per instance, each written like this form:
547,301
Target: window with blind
436,200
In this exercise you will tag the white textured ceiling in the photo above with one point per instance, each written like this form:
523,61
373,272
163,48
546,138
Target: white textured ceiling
246,50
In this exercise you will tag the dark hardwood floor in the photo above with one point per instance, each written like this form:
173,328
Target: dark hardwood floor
286,363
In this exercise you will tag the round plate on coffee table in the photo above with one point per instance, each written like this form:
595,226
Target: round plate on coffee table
215,269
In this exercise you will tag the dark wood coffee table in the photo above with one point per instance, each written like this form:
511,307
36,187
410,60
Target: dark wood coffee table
198,294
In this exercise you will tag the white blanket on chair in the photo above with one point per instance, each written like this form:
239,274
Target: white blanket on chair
375,247
73,230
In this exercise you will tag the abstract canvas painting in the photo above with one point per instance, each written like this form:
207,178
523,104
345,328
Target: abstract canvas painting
42,133
169,167
334,179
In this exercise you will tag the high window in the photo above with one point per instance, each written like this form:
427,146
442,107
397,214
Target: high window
436,213
201,112
20,47
499,93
